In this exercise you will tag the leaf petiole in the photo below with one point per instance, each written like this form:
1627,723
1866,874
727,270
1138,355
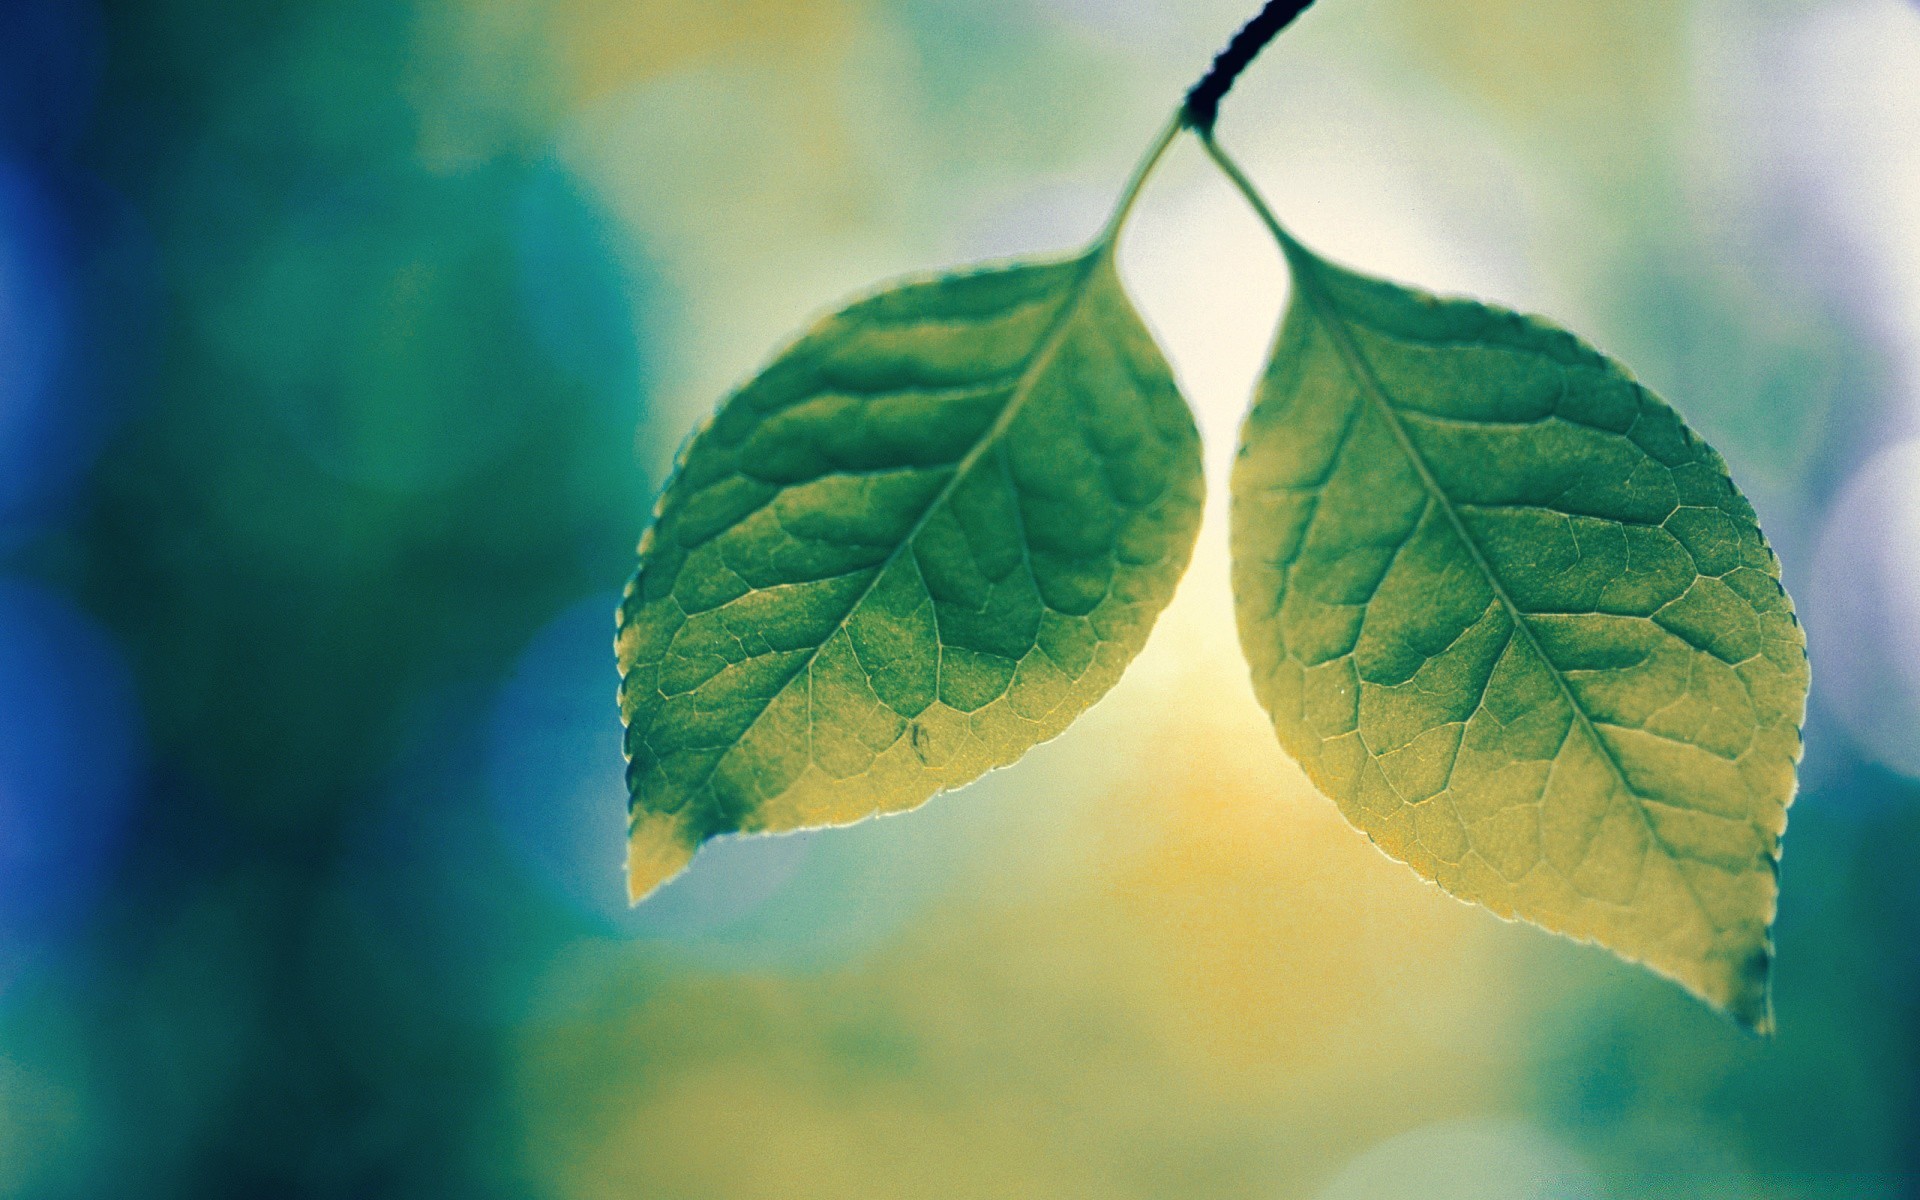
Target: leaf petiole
1248,191
1201,107
1110,232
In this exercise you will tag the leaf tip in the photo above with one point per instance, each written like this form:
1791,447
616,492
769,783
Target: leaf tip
1750,999
658,848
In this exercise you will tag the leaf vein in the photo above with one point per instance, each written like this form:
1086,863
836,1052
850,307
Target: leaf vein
1369,385
1041,357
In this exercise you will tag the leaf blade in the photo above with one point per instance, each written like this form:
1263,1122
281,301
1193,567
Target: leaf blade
1514,618
921,541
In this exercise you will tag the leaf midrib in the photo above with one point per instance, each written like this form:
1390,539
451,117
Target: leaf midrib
1306,276
1038,360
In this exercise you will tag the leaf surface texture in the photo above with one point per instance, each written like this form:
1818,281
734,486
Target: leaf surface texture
925,538
1511,614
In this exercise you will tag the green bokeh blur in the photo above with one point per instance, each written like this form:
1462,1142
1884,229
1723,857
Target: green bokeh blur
343,345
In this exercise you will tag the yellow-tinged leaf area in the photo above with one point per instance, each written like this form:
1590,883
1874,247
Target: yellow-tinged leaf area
924,539
1511,614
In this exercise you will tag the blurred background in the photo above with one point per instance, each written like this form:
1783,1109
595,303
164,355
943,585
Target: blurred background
342,346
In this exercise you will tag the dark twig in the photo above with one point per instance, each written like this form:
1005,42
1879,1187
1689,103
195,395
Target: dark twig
1203,102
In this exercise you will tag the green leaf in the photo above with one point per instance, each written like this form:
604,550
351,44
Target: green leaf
926,538
1510,613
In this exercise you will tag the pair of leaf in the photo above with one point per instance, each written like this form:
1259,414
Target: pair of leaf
1503,606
